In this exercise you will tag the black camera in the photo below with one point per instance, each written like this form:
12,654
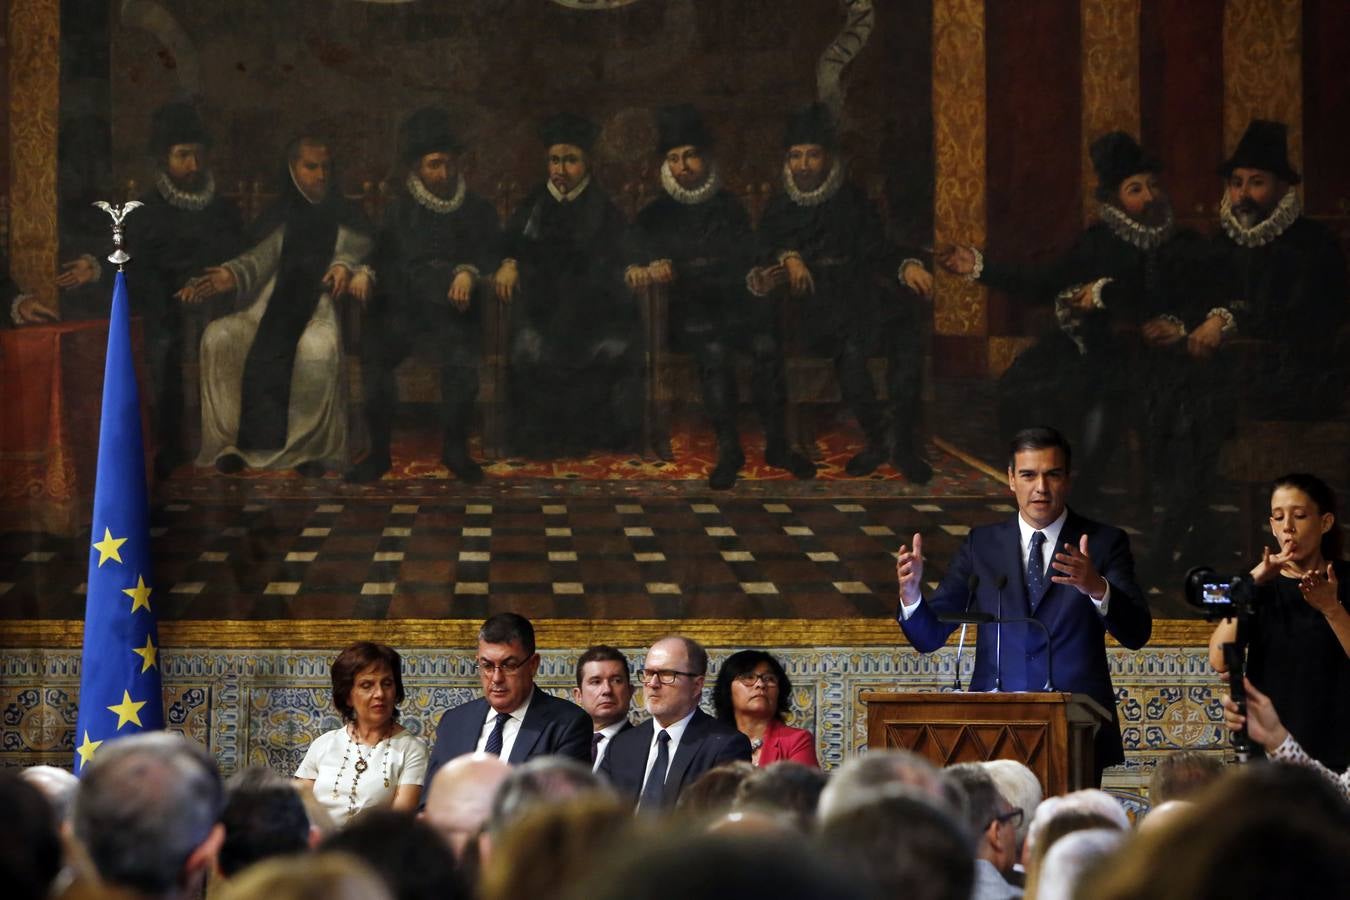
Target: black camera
1220,597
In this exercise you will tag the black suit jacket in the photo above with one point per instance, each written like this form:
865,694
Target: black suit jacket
706,744
627,726
1077,630
551,727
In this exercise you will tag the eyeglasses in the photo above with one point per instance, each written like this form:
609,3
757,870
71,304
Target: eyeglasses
506,668
748,679
661,676
1012,817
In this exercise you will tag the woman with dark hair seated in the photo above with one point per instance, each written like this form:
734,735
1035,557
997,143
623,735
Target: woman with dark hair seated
754,694
1299,635
371,761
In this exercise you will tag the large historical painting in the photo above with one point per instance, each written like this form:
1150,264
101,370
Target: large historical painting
544,433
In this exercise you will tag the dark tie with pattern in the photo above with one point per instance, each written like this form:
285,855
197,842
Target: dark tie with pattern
595,745
494,741
654,791
1036,568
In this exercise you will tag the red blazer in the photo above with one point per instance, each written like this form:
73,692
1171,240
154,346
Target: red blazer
782,742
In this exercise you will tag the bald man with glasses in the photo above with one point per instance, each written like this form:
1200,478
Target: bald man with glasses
513,719
656,760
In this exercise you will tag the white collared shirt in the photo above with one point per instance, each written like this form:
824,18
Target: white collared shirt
509,730
607,734
1050,548
676,731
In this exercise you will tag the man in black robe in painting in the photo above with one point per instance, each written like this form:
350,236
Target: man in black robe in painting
696,239
1282,282
436,241
183,227
574,350
825,240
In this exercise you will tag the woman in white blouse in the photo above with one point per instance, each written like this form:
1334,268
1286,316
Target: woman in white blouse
372,761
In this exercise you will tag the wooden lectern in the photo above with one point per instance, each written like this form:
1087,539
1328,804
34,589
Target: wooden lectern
1051,733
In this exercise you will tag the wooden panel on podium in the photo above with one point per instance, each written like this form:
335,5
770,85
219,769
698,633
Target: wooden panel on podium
1051,733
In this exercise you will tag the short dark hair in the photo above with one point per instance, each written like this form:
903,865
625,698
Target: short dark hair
261,822
409,856
1325,498
1041,437
306,140
601,653
713,793
508,628
738,664
356,658
693,650
1181,775
784,787
542,781
983,801
30,845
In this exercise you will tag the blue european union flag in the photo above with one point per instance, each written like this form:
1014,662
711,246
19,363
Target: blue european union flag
120,690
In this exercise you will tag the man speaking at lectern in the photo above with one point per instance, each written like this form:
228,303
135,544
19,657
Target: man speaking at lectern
1068,573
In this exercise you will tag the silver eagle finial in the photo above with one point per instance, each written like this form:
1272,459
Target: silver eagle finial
118,213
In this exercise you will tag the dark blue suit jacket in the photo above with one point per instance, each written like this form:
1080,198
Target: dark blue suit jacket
706,744
551,726
1077,631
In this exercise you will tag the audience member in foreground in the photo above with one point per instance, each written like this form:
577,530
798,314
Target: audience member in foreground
1020,787
653,762
993,821
1182,775
754,694
1265,728
459,800
30,845
786,789
1064,866
148,814
858,780
57,785
261,820
714,792
556,845
410,858
323,876
367,689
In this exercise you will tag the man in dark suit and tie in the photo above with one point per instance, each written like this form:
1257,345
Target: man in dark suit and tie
513,719
1071,574
656,760
605,691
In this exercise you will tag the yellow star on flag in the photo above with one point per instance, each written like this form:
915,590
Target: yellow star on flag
127,711
146,653
140,594
108,547
86,750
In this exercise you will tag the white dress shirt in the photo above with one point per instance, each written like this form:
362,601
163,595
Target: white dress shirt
509,730
607,734
676,732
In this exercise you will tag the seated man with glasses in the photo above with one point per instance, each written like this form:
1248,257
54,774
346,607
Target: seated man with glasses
513,719
993,821
653,762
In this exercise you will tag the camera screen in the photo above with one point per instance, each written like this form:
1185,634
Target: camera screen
1215,592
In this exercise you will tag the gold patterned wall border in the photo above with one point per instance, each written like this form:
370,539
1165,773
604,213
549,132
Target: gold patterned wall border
1263,69
34,102
64,634
1110,79
959,307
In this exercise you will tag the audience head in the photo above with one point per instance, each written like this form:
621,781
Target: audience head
507,662
148,813
753,684
562,843
786,788
1179,776
903,843
410,858
991,818
1058,816
672,678
1020,787
30,841
321,876
1303,511
604,688
542,781
57,785
368,683
1164,815
459,799
1062,869
714,792
858,779
261,820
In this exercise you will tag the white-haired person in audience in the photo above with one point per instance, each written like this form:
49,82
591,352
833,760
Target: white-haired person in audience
857,781
1265,728
1058,816
993,821
1020,787
1063,867
459,799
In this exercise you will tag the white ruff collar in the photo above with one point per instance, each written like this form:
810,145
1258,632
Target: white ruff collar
818,196
430,201
691,196
1265,231
1145,237
570,195
193,201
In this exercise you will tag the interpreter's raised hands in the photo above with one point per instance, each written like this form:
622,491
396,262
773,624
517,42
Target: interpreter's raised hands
1271,563
1321,590
1076,568
909,570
